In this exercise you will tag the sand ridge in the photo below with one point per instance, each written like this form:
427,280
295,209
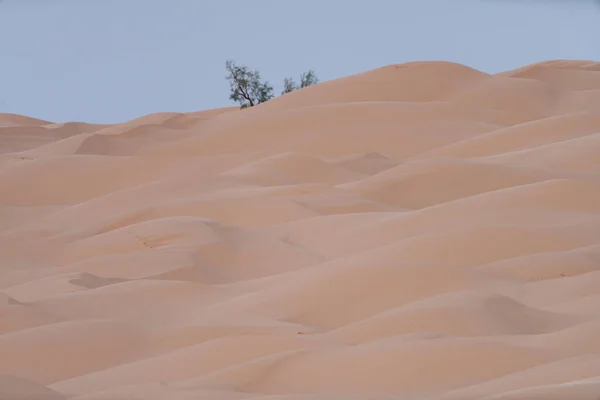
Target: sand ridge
418,231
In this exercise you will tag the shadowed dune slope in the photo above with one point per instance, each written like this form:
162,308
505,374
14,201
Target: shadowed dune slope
420,231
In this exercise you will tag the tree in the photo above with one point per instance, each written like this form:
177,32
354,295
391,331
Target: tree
306,79
246,86
289,85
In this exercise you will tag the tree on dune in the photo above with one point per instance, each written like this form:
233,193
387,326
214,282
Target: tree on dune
247,89
246,86
306,79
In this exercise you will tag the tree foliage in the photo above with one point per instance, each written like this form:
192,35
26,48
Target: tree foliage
306,79
246,86
248,90
289,85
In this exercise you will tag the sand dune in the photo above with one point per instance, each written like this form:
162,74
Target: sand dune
13,388
422,231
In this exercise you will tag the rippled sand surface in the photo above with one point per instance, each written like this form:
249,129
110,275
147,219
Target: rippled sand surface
420,231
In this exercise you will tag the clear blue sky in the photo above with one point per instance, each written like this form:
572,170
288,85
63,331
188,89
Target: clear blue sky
113,60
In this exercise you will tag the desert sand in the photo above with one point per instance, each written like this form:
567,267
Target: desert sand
420,231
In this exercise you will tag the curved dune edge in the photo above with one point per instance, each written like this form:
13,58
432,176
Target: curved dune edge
421,230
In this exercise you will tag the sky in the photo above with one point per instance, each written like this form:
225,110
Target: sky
109,61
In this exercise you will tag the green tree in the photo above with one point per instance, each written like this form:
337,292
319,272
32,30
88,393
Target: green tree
246,86
306,79
289,85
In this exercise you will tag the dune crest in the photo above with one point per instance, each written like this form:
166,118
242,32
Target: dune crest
420,230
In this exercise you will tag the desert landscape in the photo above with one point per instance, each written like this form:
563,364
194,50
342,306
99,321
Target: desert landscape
421,231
